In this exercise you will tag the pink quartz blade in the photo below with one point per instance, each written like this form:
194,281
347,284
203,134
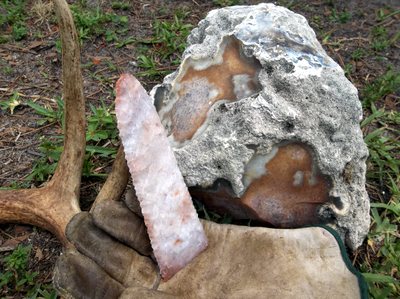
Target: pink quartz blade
175,231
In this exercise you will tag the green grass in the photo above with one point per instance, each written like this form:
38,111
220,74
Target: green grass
94,22
15,277
164,47
101,138
348,69
223,3
382,136
170,36
358,54
120,5
384,85
12,20
380,38
11,103
49,115
340,17
383,15
90,22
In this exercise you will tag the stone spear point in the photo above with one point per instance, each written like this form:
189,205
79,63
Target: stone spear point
175,231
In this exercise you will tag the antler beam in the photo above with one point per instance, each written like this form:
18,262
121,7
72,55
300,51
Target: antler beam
52,206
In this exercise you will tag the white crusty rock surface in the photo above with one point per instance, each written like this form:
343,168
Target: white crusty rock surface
174,229
282,87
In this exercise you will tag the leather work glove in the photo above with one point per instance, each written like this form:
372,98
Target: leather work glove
114,260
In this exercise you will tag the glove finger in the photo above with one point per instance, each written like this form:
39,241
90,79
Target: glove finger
118,260
117,220
77,276
132,202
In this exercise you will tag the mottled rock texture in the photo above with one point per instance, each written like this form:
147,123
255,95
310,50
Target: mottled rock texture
255,80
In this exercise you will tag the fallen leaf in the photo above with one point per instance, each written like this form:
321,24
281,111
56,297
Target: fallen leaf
39,254
51,55
96,60
22,229
8,57
11,244
35,44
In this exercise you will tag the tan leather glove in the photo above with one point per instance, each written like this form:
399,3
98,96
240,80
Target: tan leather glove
113,260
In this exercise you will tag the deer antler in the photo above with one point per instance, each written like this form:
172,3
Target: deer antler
71,160
116,181
52,206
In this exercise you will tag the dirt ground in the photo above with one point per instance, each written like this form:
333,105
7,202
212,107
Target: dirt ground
32,68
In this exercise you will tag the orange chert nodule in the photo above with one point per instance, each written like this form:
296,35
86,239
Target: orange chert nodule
230,75
285,190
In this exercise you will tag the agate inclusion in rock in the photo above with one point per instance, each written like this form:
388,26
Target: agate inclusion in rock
228,76
265,125
283,188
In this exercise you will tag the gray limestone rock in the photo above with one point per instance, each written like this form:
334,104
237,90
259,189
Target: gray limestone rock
254,78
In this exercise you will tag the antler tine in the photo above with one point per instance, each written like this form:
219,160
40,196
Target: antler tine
69,169
116,181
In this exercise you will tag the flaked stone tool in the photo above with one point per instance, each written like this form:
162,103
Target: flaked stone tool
175,232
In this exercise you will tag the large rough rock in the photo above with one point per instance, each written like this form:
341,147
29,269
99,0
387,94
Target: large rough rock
255,93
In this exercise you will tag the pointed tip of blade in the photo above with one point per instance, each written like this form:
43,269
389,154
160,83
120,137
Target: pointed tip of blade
167,272
125,84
